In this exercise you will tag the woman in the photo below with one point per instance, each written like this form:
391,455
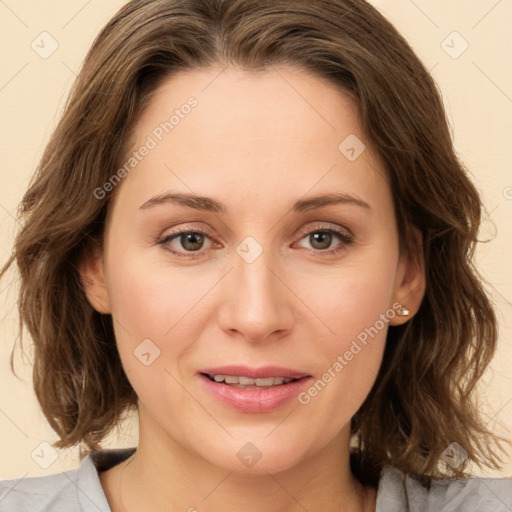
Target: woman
250,225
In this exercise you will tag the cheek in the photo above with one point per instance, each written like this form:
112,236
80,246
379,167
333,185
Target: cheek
355,309
151,297
159,303
152,328
349,298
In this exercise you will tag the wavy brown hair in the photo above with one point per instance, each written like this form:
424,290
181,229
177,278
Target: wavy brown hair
423,398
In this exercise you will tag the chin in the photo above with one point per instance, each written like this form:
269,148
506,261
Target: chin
256,458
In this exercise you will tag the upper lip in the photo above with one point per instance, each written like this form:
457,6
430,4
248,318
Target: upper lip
255,373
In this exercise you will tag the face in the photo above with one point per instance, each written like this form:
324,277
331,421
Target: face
260,278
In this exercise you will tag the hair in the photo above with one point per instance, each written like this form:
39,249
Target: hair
423,397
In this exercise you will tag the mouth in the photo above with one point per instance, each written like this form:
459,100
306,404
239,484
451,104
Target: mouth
251,390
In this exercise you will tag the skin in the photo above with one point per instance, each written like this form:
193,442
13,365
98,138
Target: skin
257,142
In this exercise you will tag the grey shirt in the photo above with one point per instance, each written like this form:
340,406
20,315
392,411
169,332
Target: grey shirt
79,490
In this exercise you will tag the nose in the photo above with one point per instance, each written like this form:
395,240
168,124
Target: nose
257,302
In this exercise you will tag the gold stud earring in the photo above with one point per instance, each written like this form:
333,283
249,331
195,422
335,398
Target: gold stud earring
402,311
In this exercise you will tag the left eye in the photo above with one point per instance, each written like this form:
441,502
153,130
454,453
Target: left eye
321,239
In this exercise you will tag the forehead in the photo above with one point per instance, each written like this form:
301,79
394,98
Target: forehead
255,134
280,104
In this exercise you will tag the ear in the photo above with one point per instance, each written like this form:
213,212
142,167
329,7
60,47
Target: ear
410,282
92,277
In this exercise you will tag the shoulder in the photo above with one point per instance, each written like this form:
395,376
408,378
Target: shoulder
77,490
398,491
40,493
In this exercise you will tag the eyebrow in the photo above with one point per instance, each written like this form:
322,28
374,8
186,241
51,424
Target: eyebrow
212,205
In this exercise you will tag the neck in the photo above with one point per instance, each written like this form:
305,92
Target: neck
163,476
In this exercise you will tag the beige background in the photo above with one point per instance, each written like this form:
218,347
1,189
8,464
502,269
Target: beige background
477,87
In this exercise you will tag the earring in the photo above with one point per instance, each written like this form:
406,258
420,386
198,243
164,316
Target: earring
402,311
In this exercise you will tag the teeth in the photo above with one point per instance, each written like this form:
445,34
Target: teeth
248,381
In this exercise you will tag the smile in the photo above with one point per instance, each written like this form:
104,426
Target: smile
263,390
248,382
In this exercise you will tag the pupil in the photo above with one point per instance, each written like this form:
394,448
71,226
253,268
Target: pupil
321,237
192,241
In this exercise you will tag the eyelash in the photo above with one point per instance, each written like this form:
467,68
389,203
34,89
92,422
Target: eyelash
346,238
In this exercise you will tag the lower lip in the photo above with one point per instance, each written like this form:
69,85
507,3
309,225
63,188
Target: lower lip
255,400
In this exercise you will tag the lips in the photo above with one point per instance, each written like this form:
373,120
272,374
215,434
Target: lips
277,386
